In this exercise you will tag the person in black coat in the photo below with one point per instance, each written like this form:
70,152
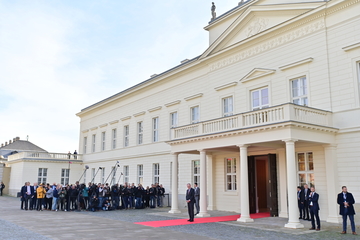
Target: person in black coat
2,186
314,209
301,199
305,192
346,202
190,199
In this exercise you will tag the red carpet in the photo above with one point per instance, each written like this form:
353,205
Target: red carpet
175,222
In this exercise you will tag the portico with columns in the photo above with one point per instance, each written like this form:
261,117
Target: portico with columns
282,140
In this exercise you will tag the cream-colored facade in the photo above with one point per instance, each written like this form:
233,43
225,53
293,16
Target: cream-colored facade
273,103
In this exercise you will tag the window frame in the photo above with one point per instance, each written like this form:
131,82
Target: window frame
126,135
192,119
126,173
172,124
195,171
114,136
156,173
65,176
155,129
140,132
42,175
223,105
308,173
93,147
261,105
84,145
232,174
103,141
102,175
301,85
140,174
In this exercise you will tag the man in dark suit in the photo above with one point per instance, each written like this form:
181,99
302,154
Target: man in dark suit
197,198
305,195
26,193
346,202
300,202
190,199
314,209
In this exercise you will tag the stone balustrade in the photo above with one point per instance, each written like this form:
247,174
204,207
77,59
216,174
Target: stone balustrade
277,114
45,155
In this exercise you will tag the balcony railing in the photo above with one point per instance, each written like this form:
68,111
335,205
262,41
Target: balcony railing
45,155
276,114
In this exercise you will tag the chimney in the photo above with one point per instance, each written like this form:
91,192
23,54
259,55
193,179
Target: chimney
14,139
184,61
154,75
2,145
10,141
17,138
5,143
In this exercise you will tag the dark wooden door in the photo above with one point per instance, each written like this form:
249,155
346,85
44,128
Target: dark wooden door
274,209
252,182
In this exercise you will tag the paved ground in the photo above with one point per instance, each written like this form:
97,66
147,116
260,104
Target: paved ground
21,224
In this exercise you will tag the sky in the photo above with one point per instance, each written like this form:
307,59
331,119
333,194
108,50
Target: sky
58,57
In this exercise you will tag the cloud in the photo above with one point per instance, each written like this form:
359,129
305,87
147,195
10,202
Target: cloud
59,57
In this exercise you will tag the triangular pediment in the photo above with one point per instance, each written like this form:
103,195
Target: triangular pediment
259,17
257,73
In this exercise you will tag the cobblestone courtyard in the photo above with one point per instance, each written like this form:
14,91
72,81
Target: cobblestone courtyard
21,224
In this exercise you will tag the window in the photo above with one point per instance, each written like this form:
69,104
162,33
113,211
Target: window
93,142
92,174
140,170
173,119
195,114
103,142
42,175
196,171
140,132
260,98
155,129
156,168
65,176
85,143
299,91
126,136
113,178
126,174
306,168
113,138
227,106
103,175
230,174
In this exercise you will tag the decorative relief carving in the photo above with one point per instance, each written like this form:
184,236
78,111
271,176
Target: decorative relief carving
258,25
275,42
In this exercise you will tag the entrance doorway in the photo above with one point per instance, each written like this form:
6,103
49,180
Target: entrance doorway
263,184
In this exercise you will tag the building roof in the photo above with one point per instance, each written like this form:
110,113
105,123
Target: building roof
22,145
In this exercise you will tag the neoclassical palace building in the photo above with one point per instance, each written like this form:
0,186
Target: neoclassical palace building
273,103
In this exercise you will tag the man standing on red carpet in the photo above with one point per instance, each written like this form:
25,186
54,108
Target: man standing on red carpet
190,199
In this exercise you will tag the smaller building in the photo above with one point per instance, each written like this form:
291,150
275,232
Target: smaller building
22,161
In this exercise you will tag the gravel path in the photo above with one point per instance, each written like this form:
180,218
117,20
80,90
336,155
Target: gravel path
11,231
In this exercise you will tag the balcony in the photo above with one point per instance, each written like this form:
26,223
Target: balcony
277,114
45,156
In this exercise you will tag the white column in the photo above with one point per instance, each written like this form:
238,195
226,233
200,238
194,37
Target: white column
293,221
210,181
244,187
283,213
203,186
174,186
332,183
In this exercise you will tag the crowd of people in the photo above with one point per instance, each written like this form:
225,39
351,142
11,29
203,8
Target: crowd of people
91,197
308,202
